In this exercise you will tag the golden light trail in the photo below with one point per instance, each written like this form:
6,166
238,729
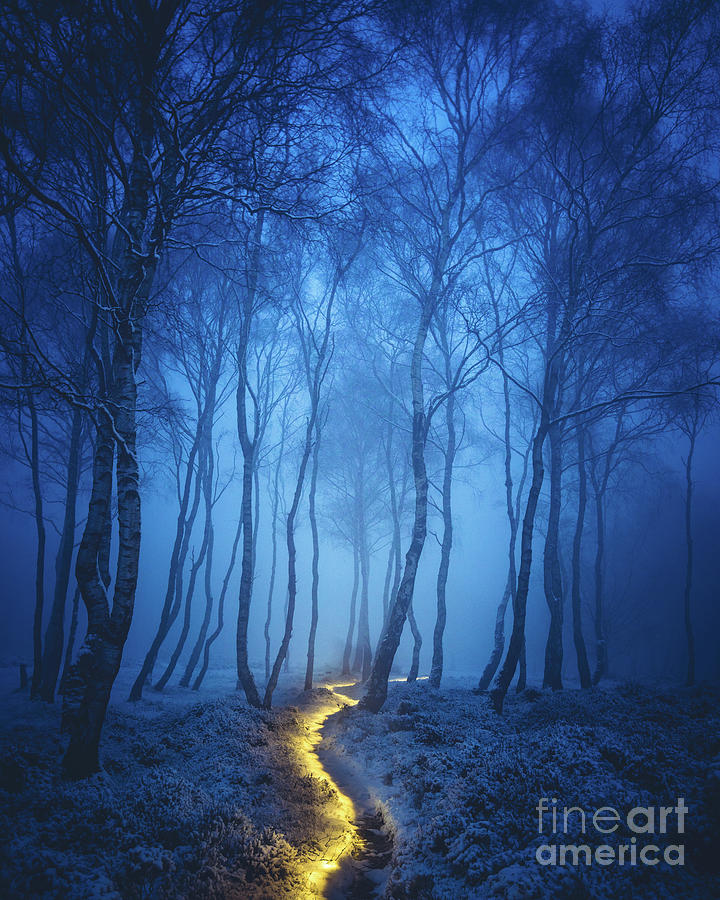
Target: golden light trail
344,835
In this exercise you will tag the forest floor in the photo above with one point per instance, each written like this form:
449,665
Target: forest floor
202,797
461,785
199,797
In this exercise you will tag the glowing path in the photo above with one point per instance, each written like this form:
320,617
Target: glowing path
332,873
341,844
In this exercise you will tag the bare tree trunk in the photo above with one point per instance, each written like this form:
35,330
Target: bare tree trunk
173,591
517,636
245,676
552,677
33,457
187,611
363,649
387,648
436,667
513,514
388,580
522,670
71,639
273,564
205,478
221,610
256,517
579,640
286,664
417,645
397,505
292,568
248,437
601,659
84,699
600,485
689,633
498,637
315,563
315,372
40,551
91,677
392,552
353,600
54,633
205,624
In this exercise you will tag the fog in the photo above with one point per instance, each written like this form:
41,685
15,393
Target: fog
359,398
646,559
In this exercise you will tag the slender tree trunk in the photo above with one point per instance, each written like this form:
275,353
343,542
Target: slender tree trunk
91,677
286,664
315,563
579,640
363,656
256,515
522,670
248,441
388,580
498,637
552,677
292,564
245,676
273,564
363,650
513,514
387,595
39,516
689,633
71,639
54,633
353,600
33,457
517,636
315,373
387,648
205,480
173,591
601,659
209,601
436,667
221,610
397,504
187,611
417,645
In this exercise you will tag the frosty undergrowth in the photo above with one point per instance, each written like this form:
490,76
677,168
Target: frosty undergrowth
201,802
463,784
209,799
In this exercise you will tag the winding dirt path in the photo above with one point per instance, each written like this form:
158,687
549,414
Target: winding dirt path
355,862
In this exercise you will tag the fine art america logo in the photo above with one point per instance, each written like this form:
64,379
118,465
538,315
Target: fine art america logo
642,824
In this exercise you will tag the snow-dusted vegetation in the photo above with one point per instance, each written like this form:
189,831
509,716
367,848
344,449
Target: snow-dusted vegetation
203,798
211,799
461,787
365,354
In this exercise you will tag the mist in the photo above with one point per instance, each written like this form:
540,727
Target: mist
358,381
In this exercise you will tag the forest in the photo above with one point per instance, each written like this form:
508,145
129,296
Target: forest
359,506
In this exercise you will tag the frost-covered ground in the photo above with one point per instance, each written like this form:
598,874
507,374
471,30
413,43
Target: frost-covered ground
199,797
462,786
202,797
